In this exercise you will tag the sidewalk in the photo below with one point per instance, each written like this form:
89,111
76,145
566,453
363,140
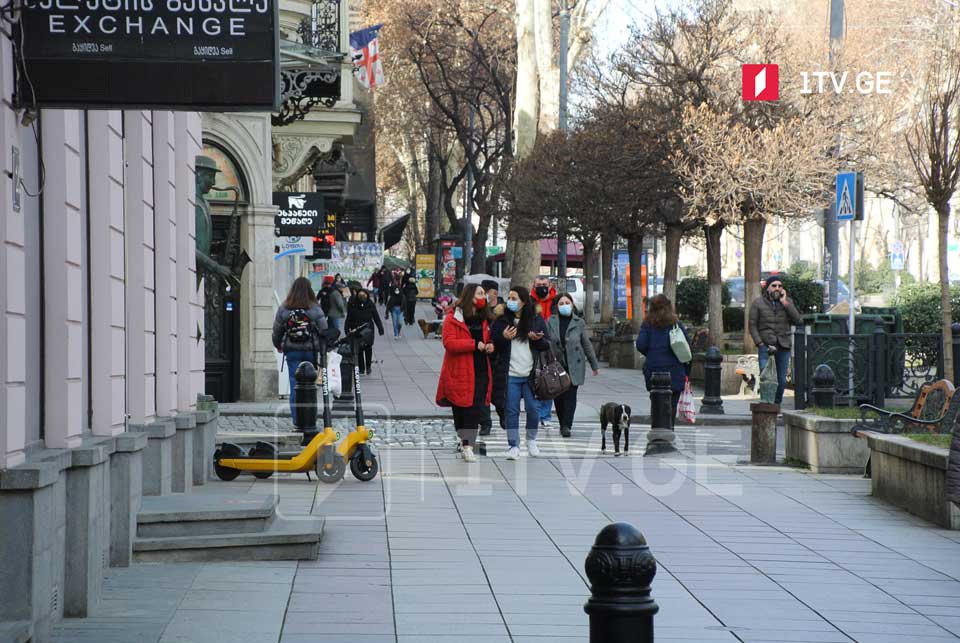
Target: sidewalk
435,551
405,373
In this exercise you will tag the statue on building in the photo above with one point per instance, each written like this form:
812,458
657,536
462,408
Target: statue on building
331,174
223,259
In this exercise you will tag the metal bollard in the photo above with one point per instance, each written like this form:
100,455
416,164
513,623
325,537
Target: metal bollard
346,375
824,390
661,436
763,433
305,406
620,568
712,403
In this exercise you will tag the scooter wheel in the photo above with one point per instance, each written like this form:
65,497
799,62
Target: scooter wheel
225,473
361,470
262,475
330,466
263,450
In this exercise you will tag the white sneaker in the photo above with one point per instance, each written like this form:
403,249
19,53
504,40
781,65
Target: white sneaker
513,453
468,455
545,424
532,449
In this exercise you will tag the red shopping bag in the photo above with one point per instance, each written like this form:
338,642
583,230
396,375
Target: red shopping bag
686,410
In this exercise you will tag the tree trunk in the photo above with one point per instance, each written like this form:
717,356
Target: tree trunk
432,216
547,69
671,267
606,269
635,250
526,263
478,262
942,239
753,230
588,250
715,305
528,93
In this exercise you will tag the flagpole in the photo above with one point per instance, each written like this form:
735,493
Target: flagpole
561,224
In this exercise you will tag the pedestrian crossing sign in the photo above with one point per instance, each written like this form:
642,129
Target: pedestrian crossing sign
849,203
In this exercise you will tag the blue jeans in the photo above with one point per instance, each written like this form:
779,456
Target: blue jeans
782,357
337,322
546,407
293,361
396,314
519,388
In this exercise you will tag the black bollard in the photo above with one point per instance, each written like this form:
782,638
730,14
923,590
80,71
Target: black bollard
661,436
712,403
823,387
345,399
305,406
620,568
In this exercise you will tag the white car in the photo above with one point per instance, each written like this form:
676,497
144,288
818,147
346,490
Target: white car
576,290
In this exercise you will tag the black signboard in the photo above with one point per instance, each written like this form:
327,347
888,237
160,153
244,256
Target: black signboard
302,214
201,55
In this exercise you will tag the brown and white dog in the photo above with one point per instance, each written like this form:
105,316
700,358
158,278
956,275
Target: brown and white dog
617,415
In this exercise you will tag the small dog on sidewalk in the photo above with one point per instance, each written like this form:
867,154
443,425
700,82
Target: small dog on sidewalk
617,415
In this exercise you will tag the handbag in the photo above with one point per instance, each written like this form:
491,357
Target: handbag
685,407
679,345
550,378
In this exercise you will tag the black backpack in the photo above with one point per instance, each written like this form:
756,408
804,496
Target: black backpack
300,329
324,298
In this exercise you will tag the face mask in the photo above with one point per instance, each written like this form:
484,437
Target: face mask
542,291
565,309
479,304
513,305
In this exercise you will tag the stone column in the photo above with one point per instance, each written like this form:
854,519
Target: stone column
13,323
126,494
165,234
63,291
763,433
107,273
258,363
140,296
157,456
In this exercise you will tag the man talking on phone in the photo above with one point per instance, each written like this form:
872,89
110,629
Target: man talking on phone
771,316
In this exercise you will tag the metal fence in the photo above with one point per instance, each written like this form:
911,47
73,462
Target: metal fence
884,365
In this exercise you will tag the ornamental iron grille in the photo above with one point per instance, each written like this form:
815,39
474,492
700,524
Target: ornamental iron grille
316,83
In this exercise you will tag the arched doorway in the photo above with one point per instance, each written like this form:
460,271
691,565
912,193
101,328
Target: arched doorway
222,305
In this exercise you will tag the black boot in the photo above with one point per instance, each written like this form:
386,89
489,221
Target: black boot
565,431
485,430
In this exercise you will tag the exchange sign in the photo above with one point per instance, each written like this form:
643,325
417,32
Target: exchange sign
191,54
302,214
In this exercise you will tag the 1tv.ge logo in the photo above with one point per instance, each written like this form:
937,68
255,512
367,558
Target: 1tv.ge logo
762,82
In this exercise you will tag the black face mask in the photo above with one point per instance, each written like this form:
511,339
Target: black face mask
542,291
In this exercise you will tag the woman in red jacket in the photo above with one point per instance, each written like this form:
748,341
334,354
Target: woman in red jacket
465,377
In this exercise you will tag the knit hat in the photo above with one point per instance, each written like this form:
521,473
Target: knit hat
328,280
772,279
490,284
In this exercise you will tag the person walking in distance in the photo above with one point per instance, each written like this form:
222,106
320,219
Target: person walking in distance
654,342
298,329
374,283
386,282
395,302
333,304
410,294
465,376
361,310
771,316
544,295
571,344
518,335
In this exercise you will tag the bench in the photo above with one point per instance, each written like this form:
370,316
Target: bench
934,410
603,336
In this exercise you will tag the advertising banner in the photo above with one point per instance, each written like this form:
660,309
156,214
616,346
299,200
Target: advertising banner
426,274
621,276
215,55
302,214
293,246
354,260
448,264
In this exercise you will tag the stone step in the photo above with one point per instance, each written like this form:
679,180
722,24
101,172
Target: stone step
204,514
284,539
15,632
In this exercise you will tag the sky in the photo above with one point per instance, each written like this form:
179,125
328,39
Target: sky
613,28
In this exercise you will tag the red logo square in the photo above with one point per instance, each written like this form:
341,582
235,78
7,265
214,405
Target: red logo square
761,82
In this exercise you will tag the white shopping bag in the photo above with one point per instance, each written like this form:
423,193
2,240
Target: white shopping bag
333,372
686,410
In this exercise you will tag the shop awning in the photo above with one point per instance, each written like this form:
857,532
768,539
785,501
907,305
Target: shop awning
391,233
548,252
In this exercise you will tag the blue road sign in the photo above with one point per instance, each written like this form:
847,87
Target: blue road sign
846,196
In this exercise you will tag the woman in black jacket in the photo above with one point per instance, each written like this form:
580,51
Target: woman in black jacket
410,293
518,335
362,310
395,302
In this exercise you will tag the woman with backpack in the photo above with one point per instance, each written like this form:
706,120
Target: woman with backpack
298,330
654,342
571,345
465,374
518,335
362,310
395,303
